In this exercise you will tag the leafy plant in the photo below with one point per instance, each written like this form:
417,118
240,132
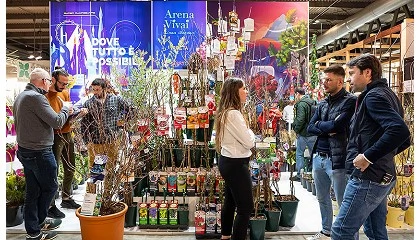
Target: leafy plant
15,190
314,71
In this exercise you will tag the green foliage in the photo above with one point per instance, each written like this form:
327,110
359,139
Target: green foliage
293,39
314,71
15,190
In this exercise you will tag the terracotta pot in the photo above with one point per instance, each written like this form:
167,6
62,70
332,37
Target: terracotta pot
102,227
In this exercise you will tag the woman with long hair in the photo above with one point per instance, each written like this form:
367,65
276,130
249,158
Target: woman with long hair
234,141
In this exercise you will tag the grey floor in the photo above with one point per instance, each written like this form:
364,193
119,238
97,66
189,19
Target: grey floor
308,222
277,236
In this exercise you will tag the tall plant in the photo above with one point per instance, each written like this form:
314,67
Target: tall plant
314,61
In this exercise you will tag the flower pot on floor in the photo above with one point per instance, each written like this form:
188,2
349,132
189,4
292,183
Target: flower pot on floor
102,227
395,217
257,227
14,216
309,186
131,216
313,189
288,210
273,220
409,216
304,182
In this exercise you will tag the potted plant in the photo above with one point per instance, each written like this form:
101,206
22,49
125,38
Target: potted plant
145,90
257,222
288,203
395,215
11,148
409,214
15,198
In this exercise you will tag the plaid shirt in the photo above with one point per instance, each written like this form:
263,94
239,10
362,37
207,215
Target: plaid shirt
100,124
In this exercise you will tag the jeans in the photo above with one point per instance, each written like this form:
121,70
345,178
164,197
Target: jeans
301,143
63,150
40,170
361,199
323,176
375,225
238,195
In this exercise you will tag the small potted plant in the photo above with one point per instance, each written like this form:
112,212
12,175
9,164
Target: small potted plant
15,198
10,151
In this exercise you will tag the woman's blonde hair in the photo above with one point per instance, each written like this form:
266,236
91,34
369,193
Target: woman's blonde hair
229,100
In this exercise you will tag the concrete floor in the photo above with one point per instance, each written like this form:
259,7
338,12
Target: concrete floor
308,222
158,236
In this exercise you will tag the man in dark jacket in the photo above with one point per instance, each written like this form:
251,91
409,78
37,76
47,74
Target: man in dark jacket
302,112
331,124
378,133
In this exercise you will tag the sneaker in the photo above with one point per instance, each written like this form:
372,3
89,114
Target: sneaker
54,212
295,178
69,203
318,235
50,224
42,236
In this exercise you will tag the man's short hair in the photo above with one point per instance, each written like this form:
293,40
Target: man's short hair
39,73
301,91
59,71
366,61
99,82
336,69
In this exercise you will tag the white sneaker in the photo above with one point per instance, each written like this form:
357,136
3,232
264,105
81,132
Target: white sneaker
318,235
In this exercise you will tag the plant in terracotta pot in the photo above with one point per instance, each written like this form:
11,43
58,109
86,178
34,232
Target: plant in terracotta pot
145,90
15,198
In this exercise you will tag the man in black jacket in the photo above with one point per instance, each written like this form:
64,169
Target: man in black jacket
330,124
378,133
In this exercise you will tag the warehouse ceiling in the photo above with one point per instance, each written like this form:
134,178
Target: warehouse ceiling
27,23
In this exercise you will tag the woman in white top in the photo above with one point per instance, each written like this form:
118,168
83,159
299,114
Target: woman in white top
234,141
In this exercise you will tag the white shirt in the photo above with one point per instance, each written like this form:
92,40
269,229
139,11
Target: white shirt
288,114
237,139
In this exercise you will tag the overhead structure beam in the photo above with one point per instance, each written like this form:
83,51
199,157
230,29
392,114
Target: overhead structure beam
15,16
338,4
26,3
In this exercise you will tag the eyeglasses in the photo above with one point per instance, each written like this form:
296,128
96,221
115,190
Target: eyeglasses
63,84
48,80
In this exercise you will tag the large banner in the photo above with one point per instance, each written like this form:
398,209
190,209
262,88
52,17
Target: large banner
88,38
275,58
184,24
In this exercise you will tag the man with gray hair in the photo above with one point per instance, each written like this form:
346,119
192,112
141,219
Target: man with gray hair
35,120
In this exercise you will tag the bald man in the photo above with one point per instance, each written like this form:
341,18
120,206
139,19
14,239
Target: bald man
35,121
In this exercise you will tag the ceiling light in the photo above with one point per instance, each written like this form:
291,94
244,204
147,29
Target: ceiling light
31,56
38,57
333,59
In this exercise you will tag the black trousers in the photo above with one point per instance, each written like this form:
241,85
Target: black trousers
238,195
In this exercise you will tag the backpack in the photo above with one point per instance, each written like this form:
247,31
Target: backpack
312,111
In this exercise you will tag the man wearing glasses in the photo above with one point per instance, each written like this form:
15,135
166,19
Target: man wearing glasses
35,120
63,147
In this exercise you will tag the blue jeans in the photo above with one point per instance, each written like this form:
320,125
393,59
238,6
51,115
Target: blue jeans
323,177
374,226
301,143
40,170
362,198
